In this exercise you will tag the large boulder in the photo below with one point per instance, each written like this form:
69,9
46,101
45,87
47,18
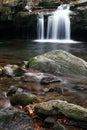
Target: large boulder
55,107
14,119
59,62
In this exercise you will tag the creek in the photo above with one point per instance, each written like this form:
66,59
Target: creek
14,51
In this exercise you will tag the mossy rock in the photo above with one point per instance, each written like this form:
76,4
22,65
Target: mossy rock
55,107
60,61
23,99
10,2
84,15
15,3
49,4
23,18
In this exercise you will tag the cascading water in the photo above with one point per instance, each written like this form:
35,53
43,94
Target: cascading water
40,26
58,26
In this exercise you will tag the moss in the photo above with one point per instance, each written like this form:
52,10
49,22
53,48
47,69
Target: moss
49,4
21,14
11,2
32,62
16,3
84,15
23,99
23,18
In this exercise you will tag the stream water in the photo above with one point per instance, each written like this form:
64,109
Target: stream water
25,49
71,90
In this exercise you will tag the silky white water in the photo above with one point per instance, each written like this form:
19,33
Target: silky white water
58,26
40,27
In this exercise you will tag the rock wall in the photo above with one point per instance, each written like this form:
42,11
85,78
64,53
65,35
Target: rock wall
19,18
79,22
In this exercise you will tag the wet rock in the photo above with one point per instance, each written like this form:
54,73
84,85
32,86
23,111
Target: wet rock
12,90
32,77
81,124
58,126
60,62
49,5
43,78
1,71
4,102
55,107
81,87
49,121
23,99
14,119
50,79
13,70
25,64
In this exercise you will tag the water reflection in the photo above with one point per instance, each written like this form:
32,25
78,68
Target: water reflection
24,49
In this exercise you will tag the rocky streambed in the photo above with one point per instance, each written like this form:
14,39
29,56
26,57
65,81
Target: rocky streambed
50,91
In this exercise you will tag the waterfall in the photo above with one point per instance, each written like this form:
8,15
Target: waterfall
58,26
40,27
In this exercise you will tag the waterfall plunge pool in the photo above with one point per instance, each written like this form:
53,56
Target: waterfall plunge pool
57,41
17,50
